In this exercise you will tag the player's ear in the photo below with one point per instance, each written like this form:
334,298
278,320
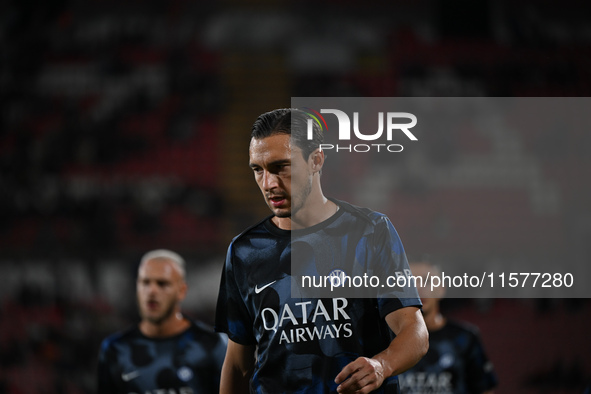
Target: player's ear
317,159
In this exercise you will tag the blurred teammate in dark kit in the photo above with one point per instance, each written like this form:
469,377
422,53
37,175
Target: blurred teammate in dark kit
165,352
280,344
456,362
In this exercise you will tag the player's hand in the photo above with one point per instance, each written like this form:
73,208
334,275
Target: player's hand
360,376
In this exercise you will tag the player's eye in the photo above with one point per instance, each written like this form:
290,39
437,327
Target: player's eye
282,169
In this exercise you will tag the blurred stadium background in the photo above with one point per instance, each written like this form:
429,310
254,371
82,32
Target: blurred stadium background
124,127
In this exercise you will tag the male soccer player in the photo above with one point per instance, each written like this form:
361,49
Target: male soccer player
456,362
166,352
282,344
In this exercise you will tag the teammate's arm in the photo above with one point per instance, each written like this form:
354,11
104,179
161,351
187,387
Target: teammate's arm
411,343
237,368
480,374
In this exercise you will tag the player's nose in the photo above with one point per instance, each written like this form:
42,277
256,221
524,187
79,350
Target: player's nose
152,288
269,180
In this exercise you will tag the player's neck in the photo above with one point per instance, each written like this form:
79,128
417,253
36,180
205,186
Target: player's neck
317,209
175,324
307,218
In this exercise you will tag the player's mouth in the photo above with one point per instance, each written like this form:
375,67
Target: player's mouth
152,305
277,201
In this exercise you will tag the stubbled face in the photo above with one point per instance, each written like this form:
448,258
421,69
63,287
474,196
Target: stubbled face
160,289
281,173
430,297
429,303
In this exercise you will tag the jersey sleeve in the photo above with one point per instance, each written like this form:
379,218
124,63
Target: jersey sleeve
391,265
105,383
480,374
232,316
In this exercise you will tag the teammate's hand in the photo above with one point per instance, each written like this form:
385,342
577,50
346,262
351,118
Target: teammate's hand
360,376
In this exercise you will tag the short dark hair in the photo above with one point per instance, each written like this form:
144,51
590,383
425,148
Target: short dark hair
291,121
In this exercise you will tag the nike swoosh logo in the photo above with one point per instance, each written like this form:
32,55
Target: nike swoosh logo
258,289
131,375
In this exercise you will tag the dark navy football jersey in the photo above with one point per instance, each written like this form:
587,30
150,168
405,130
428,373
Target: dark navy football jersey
455,364
187,363
303,343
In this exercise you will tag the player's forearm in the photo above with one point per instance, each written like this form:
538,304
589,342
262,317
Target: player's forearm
237,368
411,343
409,346
234,379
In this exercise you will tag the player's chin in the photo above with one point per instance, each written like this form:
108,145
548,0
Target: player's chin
154,318
150,314
282,213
